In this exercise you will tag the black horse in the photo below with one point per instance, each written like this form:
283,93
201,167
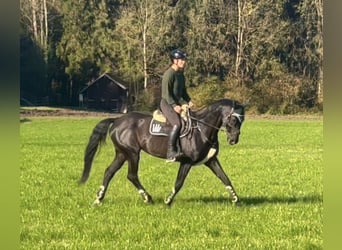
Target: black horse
131,133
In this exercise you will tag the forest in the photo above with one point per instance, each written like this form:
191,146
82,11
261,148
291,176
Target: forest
267,54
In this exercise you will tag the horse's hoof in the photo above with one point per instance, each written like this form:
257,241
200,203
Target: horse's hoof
236,203
97,202
168,202
149,201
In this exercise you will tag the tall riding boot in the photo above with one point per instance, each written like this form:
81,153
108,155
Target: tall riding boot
172,153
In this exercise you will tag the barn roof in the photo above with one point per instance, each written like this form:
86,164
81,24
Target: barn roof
112,78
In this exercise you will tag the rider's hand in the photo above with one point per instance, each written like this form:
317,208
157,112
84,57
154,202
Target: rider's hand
177,109
190,104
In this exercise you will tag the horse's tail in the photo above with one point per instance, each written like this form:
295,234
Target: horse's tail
97,138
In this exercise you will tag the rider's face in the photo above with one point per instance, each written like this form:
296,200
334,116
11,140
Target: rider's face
180,63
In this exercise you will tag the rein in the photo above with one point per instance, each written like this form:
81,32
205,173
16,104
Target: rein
205,123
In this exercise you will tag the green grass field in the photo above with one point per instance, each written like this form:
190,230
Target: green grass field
276,170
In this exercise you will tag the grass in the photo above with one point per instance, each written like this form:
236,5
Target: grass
276,170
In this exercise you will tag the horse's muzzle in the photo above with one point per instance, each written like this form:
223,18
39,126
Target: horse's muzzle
233,139
232,142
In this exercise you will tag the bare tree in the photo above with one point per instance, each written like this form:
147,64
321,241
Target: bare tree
240,32
46,31
311,28
34,17
319,10
144,33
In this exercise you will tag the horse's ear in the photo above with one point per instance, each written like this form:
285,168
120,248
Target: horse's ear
246,104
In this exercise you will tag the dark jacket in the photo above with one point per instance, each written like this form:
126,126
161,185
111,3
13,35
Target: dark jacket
173,87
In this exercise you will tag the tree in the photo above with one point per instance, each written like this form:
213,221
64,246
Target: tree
33,47
269,50
311,44
142,32
209,37
86,46
34,18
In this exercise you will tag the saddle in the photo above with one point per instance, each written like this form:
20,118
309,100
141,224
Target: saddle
160,126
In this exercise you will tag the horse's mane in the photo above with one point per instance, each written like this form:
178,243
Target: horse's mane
213,106
199,113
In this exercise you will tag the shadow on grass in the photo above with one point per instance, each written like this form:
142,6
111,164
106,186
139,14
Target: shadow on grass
206,200
22,120
259,200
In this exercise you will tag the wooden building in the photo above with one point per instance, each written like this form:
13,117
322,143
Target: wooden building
106,93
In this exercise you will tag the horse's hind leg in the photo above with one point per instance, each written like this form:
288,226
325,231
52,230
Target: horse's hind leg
216,167
133,165
108,175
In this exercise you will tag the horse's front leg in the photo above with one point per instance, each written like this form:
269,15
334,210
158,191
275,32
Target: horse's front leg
216,167
182,173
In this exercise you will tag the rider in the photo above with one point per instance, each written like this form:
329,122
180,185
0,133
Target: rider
173,90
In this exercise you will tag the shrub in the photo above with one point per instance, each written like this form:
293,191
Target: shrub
149,99
206,92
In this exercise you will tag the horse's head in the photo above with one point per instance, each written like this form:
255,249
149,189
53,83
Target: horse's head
233,117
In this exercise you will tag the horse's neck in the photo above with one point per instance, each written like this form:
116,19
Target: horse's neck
210,124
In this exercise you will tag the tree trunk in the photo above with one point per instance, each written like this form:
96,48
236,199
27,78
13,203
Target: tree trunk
34,19
239,43
319,9
41,26
46,35
144,46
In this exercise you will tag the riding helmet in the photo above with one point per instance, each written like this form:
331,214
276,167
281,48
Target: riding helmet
177,54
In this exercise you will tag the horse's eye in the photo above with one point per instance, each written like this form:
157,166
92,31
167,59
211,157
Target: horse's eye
232,121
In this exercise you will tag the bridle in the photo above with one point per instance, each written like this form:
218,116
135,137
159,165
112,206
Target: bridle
232,113
190,118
